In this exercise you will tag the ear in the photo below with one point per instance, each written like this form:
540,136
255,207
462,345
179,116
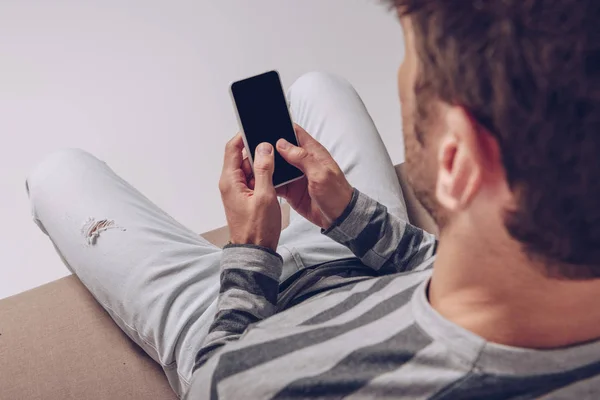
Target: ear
461,161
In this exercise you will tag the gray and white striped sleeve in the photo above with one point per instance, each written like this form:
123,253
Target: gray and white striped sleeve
248,294
381,240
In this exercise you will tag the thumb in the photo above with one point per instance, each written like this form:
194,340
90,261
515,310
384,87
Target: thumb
264,165
297,156
309,157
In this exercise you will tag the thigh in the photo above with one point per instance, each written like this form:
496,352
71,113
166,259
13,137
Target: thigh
157,279
331,110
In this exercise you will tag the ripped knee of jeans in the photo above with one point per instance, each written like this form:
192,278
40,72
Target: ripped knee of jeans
92,228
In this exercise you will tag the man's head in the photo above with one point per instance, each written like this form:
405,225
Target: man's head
501,114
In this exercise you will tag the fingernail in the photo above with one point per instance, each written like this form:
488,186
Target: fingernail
265,149
284,144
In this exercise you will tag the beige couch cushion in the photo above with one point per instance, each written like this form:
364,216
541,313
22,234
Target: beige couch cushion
57,343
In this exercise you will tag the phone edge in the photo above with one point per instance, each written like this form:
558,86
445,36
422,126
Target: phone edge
241,127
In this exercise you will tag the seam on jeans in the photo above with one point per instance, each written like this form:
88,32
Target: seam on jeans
184,380
190,348
144,340
169,366
296,257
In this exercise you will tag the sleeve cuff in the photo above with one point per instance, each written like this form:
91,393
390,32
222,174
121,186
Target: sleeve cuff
252,257
254,247
353,220
345,214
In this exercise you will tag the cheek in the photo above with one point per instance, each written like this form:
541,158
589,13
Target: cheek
407,102
420,159
421,176
413,150
414,155
406,111
402,83
411,144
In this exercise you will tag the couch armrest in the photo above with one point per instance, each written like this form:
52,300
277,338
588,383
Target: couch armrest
56,342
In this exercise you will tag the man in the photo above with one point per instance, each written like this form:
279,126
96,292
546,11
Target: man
501,111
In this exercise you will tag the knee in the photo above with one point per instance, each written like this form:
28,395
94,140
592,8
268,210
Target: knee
318,82
55,167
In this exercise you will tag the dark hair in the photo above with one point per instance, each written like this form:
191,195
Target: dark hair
528,72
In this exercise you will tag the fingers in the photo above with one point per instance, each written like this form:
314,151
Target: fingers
293,154
308,157
247,168
304,137
233,153
264,165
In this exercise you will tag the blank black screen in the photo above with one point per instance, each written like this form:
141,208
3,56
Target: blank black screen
264,115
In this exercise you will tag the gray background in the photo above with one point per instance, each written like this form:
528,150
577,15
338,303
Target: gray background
144,86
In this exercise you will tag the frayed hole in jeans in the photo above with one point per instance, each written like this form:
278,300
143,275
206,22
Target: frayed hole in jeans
92,228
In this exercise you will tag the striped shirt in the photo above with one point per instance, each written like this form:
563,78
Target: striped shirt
363,328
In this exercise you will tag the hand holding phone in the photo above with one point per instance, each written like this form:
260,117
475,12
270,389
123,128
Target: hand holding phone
253,214
305,173
324,193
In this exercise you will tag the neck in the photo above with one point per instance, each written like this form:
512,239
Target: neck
499,294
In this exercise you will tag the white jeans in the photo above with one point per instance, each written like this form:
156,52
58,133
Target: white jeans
157,279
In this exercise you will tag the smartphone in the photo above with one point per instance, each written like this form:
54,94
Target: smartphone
264,116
